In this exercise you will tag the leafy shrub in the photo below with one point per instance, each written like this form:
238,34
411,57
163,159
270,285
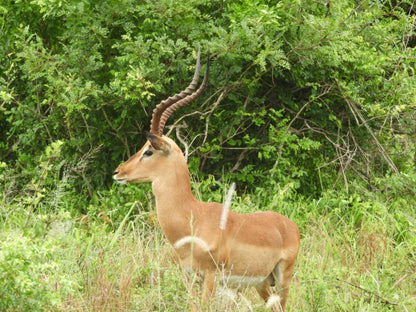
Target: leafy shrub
28,274
304,87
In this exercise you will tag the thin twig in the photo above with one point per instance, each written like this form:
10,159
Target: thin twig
381,299
358,114
182,140
326,91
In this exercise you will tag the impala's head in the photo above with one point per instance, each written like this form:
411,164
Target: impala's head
159,152
152,161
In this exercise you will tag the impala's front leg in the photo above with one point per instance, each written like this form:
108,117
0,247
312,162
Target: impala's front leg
208,291
209,287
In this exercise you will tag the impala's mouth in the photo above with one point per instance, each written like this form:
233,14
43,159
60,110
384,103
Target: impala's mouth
120,180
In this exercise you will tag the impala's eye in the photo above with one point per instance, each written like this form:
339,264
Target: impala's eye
148,153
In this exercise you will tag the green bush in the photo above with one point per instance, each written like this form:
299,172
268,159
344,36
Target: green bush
29,277
318,95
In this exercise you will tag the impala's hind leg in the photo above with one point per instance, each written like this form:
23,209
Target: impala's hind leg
272,301
282,274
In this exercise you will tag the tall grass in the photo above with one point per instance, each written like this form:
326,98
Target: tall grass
357,254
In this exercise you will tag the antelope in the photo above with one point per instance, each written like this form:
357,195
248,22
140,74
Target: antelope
254,249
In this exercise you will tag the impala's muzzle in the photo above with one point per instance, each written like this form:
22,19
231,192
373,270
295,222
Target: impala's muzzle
118,179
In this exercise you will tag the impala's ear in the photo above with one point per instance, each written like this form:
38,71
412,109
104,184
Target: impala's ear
158,143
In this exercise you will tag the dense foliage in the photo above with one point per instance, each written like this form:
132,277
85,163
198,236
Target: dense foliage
308,102
314,94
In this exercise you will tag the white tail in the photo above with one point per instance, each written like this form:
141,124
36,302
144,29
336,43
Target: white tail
258,249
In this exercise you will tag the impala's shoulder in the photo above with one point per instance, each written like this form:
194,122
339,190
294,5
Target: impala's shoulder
212,205
207,211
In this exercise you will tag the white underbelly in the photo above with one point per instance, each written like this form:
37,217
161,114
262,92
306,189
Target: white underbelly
242,281
234,281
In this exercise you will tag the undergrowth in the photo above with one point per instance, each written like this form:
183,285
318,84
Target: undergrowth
357,254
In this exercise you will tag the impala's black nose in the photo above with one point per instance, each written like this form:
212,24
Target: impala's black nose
115,172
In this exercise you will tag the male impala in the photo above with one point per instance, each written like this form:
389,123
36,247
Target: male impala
256,249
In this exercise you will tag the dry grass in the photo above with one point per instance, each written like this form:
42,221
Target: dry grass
339,269
367,264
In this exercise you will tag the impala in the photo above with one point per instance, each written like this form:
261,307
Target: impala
255,249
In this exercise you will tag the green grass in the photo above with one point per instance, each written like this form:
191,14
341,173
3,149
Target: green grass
356,255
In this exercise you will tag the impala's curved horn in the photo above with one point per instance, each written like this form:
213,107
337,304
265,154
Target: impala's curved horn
162,106
189,98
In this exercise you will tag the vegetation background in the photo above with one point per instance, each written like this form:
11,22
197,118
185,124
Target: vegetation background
310,109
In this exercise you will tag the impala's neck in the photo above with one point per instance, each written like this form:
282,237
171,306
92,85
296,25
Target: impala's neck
174,201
